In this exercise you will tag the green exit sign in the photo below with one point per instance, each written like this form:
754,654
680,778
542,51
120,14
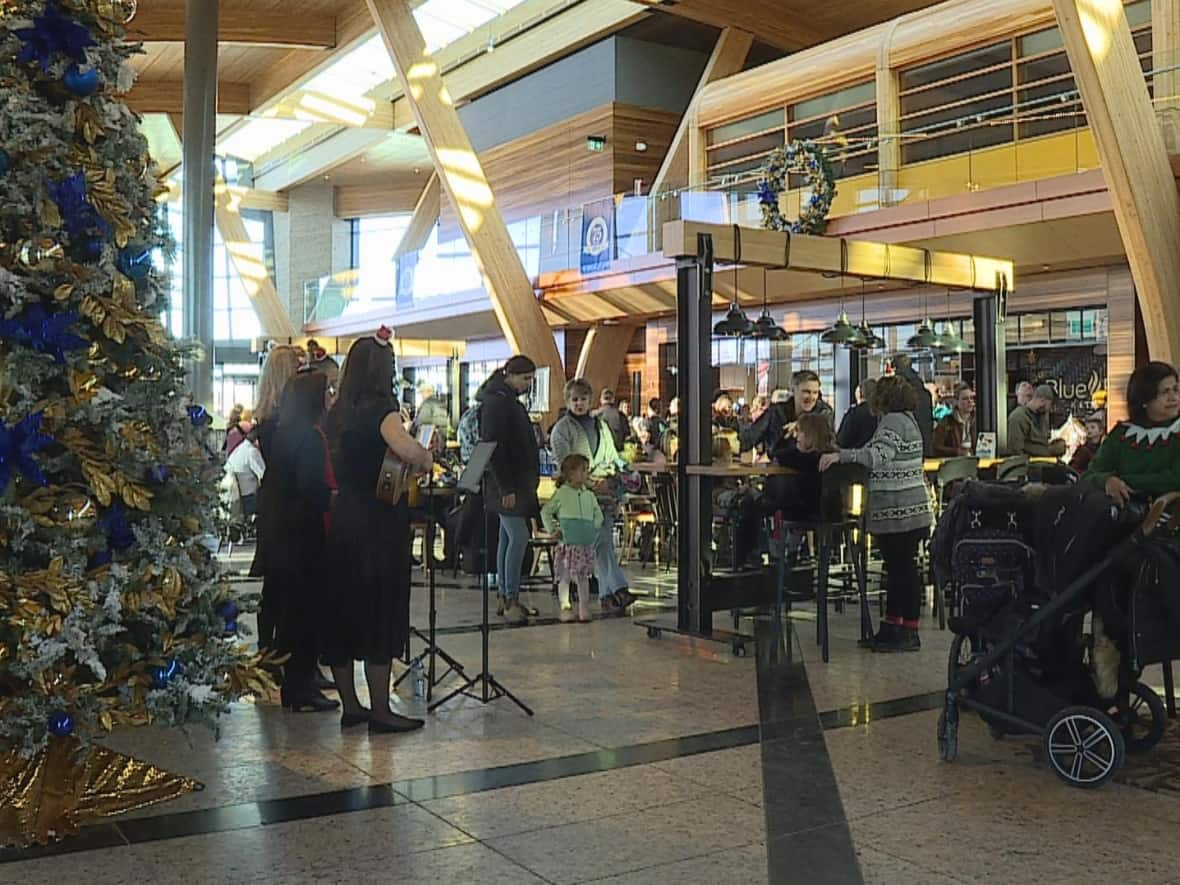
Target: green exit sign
596,143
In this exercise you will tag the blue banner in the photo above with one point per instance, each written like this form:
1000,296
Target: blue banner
598,235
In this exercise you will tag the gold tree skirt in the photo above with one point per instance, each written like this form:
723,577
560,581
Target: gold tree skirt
66,786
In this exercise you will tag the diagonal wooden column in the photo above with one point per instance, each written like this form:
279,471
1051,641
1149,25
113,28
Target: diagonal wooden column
247,259
604,355
728,57
462,177
423,220
1134,159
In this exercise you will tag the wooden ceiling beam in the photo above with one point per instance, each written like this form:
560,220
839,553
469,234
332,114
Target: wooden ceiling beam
164,23
167,97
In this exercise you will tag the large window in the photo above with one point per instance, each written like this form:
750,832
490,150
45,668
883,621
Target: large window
373,241
1009,90
234,317
1047,98
843,121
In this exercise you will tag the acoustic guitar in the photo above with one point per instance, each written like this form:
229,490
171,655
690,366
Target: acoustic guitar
394,476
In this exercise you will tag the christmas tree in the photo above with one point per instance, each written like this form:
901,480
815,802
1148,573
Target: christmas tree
112,610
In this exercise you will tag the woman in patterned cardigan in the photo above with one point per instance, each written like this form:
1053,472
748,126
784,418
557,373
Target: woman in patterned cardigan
899,508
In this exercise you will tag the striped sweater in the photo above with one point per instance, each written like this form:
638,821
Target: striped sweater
898,500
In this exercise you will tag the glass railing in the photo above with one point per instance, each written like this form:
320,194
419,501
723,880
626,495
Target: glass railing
1042,138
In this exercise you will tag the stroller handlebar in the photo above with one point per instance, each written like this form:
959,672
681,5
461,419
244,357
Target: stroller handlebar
1156,514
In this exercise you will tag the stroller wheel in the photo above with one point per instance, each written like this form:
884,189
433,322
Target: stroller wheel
1145,720
962,651
1084,746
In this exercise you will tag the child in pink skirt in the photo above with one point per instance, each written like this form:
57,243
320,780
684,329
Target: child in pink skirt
574,516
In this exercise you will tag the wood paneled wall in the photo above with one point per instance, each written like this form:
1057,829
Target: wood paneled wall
552,169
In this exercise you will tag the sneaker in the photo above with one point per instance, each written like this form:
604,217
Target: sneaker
514,613
903,639
610,605
566,614
499,606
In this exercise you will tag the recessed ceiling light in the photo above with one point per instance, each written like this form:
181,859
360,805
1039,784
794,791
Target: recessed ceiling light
1044,267
641,146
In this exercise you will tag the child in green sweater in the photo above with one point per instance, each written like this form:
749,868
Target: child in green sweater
1142,455
573,515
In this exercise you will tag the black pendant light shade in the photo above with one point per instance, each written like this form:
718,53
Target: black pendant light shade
766,328
736,322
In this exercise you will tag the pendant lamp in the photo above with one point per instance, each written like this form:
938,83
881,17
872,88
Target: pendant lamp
736,323
842,331
870,340
765,327
950,342
925,337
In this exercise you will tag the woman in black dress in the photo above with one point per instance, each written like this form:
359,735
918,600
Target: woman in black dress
302,485
281,364
369,545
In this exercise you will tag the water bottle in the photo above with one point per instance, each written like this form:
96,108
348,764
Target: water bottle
419,679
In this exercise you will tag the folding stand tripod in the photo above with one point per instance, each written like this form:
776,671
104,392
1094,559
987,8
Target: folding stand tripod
432,649
489,688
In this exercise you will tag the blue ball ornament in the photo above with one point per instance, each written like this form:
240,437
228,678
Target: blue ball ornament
159,474
228,610
231,628
135,262
161,676
81,83
198,416
5,163
61,725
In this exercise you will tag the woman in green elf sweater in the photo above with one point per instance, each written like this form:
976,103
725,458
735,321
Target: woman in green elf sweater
1142,455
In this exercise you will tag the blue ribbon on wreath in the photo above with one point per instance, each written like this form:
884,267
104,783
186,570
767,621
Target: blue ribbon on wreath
18,443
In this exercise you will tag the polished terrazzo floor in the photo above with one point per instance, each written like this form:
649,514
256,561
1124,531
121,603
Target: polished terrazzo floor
648,761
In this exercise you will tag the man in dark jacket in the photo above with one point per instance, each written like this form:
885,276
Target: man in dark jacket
770,426
609,412
859,423
903,367
510,488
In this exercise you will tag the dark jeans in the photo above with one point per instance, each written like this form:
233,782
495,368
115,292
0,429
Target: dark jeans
903,590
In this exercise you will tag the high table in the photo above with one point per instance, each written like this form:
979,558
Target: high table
701,590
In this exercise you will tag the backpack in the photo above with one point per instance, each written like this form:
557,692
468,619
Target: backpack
468,432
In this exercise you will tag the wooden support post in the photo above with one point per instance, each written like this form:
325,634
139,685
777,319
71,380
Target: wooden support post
604,356
422,222
728,57
246,256
888,122
1134,159
462,177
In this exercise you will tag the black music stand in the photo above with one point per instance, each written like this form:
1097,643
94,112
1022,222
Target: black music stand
472,482
432,649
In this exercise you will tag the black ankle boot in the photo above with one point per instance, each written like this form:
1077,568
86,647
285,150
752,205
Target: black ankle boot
902,639
307,699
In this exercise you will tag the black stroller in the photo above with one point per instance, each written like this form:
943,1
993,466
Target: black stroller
1025,570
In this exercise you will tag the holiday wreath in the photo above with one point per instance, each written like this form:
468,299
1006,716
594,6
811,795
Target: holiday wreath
810,160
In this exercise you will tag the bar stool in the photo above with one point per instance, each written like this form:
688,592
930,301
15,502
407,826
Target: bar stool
842,517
